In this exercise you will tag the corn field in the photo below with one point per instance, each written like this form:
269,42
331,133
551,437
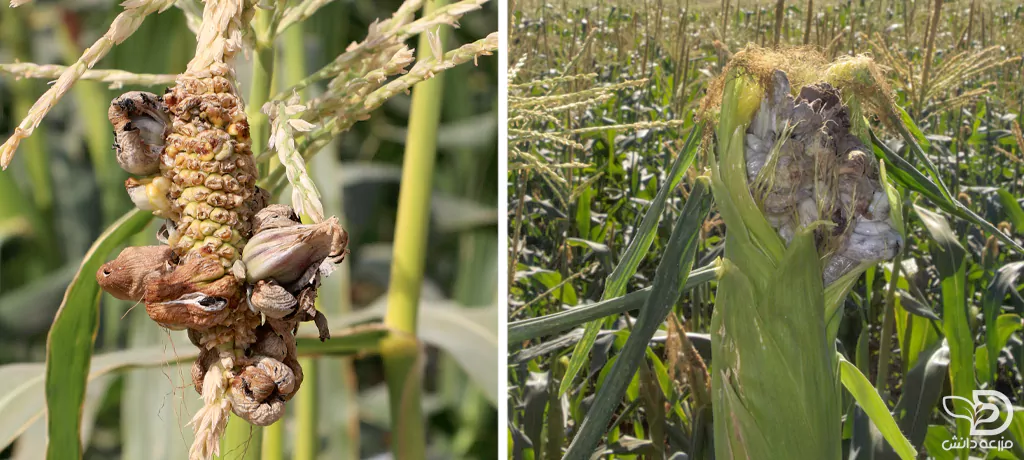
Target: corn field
186,182
765,229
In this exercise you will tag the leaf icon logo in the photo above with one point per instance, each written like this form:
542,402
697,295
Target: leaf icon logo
968,406
973,410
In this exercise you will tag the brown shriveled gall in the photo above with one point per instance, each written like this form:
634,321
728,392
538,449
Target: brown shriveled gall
272,299
254,397
127,276
141,123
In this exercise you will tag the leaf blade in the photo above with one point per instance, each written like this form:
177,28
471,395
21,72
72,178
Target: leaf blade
70,341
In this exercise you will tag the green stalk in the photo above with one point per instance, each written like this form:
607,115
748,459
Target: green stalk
306,438
306,413
400,350
241,440
306,401
262,81
888,322
273,441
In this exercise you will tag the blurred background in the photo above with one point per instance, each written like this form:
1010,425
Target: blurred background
64,188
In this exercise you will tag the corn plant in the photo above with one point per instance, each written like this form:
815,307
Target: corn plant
905,289
235,271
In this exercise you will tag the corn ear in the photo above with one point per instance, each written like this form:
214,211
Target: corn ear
805,214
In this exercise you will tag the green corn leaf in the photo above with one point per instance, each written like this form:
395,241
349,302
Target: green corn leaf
987,355
922,390
937,434
1012,208
895,200
25,403
868,398
567,319
913,128
906,175
1015,432
948,256
69,344
669,279
905,128
615,284
991,304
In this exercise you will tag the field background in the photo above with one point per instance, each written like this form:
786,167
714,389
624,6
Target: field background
64,188
602,98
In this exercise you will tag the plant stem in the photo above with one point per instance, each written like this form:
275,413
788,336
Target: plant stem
888,322
307,440
780,9
889,319
262,81
241,440
400,350
807,25
273,441
260,92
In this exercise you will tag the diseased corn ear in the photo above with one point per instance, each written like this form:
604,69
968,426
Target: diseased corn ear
804,208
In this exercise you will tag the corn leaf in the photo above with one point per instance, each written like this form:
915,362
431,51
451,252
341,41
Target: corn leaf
937,434
1012,209
615,284
553,323
25,403
986,356
1015,432
913,128
922,390
948,256
908,176
669,279
997,332
69,344
868,398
